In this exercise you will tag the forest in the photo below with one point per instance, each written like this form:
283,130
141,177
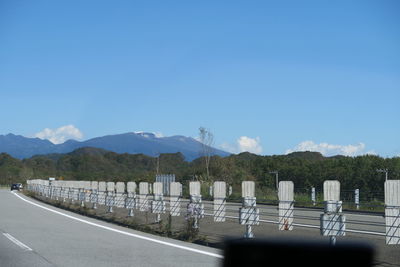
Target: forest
305,169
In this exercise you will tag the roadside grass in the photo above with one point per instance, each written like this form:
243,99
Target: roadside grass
304,200
163,228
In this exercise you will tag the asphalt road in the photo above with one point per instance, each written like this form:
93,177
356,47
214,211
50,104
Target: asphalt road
360,227
356,222
36,234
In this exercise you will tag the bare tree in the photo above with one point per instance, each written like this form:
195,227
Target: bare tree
207,141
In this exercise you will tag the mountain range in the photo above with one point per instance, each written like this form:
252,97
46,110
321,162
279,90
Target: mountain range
133,143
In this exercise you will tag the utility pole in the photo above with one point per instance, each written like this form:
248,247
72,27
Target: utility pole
385,171
158,164
276,179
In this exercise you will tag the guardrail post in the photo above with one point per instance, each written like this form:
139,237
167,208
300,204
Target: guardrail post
54,186
332,221
101,193
119,195
249,214
143,196
286,205
130,201
85,190
313,198
219,201
357,198
195,209
75,191
63,190
175,198
110,196
158,204
47,188
94,193
392,212
82,195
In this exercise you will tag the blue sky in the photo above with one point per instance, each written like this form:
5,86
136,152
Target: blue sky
269,77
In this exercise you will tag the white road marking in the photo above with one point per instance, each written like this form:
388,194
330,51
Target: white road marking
17,242
364,215
123,232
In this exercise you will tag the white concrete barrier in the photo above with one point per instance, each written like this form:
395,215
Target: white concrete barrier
94,193
248,189
286,205
102,193
158,204
331,190
249,215
87,185
195,207
392,212
120,194
175,205
332,221
110,196
219,191
144,196
130,202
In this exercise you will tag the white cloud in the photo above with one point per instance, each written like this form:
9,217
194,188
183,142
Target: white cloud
244,144
331,150
60,135
228,147
248,144
159,134
145,134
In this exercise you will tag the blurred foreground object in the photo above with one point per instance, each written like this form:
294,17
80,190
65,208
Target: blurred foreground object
270,252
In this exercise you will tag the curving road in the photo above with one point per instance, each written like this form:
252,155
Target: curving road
36,234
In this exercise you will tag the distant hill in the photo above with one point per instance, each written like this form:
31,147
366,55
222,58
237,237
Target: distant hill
306,155
80,151
133,143
304,169
22,147
89,151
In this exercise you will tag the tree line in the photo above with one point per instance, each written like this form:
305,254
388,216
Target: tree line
305,169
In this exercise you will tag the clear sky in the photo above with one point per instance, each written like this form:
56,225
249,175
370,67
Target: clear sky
269,77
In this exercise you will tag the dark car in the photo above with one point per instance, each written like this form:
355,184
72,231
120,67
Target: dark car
16,187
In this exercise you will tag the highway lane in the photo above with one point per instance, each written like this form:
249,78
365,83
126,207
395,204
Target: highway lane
11,254
384,254
60,238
